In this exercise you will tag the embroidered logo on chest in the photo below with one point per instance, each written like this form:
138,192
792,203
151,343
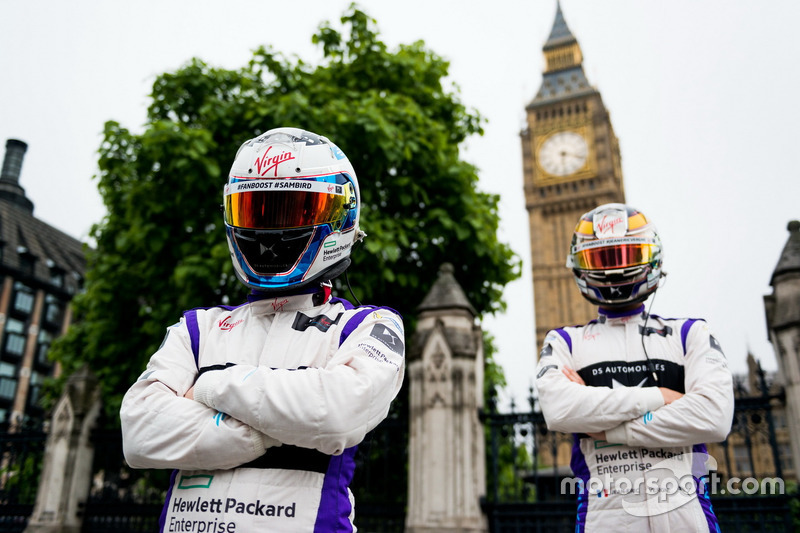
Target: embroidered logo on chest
277,305
321,322
663,332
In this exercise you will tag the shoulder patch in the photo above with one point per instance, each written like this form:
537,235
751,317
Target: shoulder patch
546,351
387,337
715,344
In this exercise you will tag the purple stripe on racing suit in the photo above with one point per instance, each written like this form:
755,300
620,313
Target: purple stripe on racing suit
335,507
685,332
581,470
700,451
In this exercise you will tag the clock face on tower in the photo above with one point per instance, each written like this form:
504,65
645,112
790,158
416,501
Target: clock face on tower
563,153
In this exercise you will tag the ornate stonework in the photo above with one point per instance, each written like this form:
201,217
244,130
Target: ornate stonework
446,469
783,322
571,164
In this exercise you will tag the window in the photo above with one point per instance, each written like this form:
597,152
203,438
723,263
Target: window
42,346
779,418
23,298
741,459
57,277
53,311
15,337
785,453
34,392
27,261
8,380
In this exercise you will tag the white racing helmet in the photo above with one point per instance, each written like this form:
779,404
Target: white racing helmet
615,256
291,209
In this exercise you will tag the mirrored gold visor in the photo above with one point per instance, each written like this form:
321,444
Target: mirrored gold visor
285,203
606,254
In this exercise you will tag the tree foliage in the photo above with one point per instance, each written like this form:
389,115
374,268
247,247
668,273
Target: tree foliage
161,248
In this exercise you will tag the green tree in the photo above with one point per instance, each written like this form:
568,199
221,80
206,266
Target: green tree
161,248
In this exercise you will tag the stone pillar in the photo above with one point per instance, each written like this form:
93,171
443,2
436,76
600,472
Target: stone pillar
783,323
67,469
447,464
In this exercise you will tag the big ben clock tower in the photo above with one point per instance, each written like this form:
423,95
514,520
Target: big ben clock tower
571,164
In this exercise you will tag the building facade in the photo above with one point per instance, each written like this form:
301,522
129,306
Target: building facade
42,268
571,163
759,444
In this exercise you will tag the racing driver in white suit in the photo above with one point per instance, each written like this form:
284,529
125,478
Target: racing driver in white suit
641,394
258,408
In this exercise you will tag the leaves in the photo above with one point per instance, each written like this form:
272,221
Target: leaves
161,249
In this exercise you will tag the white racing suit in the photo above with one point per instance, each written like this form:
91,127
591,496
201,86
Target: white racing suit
302,378
648,473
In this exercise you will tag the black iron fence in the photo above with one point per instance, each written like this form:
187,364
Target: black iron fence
21,452
527,466
381,477
121,499
126,500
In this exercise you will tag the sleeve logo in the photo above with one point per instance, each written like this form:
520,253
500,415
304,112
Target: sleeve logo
388,337
715,345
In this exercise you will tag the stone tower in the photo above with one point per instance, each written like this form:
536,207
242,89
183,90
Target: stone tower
783,323
571,164
446,469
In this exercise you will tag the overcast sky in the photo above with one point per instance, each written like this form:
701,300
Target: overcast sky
702,96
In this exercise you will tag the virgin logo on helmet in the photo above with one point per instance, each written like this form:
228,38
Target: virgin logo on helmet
607,226
265,163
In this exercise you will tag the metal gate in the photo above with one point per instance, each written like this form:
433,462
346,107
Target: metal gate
527,464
